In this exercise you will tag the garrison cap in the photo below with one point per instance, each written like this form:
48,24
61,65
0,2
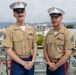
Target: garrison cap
55,11
18,6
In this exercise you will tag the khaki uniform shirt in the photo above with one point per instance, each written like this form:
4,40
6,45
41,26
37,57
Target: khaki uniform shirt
20,41
56,45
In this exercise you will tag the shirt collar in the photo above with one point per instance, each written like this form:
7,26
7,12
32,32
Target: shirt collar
16,26
60,31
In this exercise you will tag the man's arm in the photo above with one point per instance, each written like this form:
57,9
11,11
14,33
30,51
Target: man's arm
11,54
68,46
34,52
33,57
64,58
54,66
47,59
34,45
46,55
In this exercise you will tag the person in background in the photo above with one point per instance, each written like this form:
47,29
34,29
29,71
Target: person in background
20,42
58,44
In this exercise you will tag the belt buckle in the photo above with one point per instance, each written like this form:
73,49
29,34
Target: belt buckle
55,60
24,56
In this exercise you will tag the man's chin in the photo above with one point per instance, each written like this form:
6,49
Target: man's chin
55,25
21,20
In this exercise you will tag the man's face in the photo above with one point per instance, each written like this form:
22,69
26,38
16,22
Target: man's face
56,20
19,16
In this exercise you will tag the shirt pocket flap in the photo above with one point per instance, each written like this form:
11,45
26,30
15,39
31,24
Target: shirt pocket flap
30,37
49,41
59,41
17,39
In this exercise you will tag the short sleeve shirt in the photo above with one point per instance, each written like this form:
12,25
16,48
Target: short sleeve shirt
20,41
56,45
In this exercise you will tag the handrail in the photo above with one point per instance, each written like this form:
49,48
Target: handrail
43,70
73,58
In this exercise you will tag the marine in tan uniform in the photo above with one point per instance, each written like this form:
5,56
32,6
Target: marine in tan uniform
20,42
58,44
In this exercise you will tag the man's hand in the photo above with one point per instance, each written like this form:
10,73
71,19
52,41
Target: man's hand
29,65
52,66
26,65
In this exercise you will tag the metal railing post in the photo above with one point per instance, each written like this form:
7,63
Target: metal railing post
6,65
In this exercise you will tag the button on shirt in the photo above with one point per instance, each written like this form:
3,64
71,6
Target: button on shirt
57,44
20,41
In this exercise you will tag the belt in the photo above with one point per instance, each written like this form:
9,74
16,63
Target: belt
24,56
55,60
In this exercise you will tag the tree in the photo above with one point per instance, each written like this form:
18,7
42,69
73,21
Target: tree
70,26
39,42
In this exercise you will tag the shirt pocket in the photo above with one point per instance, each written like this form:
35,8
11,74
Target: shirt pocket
17,41
59,41
30,37
17,36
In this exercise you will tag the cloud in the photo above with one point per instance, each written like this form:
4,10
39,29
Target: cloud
37,9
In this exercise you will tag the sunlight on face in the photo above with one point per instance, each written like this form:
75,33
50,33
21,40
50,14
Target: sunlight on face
19,16
56,20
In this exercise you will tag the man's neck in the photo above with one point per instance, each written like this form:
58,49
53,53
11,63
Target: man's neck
21,23
57,28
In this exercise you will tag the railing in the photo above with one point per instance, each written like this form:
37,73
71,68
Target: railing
40,65
72,66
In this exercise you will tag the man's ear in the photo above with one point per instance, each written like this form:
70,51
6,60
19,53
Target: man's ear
62,17
14,15
25,13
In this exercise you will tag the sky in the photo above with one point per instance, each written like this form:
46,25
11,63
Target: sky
36,10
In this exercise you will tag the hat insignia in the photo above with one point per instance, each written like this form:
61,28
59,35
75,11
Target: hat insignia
19,2
53,8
